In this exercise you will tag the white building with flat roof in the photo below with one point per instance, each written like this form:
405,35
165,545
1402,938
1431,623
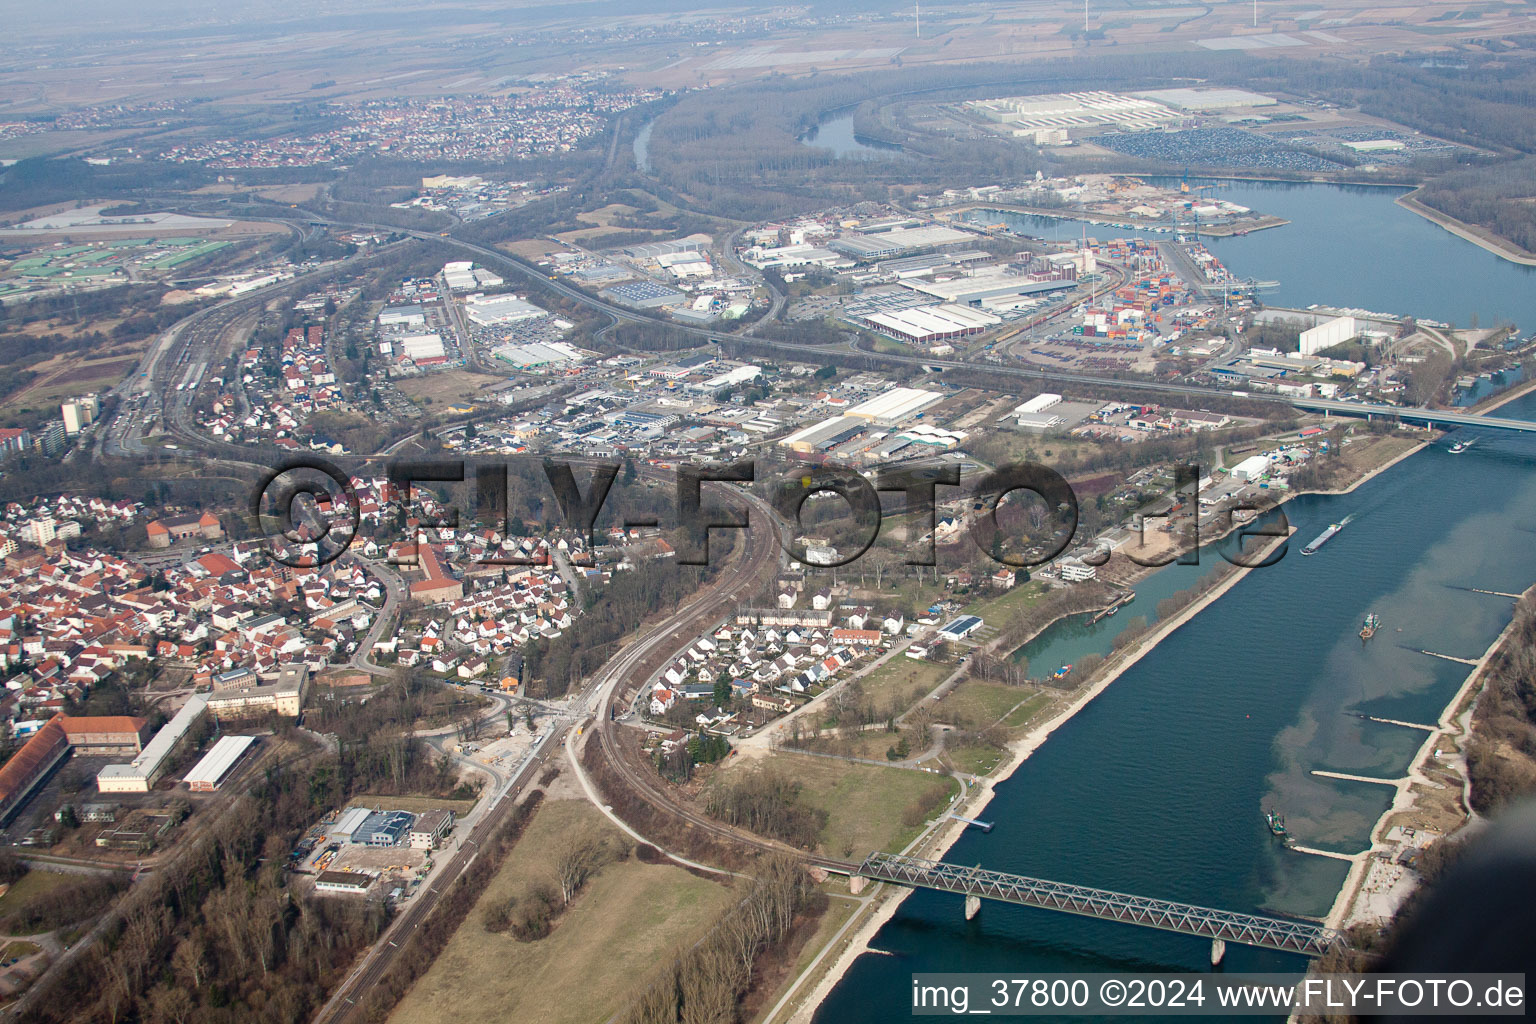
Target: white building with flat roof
1039,403
420,346
141,774
1074,571
493,310
1251,468
894,405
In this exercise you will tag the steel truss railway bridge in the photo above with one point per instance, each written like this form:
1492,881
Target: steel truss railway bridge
1220,926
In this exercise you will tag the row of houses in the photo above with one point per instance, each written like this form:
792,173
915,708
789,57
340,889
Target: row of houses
765,664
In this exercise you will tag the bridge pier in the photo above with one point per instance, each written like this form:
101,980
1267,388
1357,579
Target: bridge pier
1291,936
856,884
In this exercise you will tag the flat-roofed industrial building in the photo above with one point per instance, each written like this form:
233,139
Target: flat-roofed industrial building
349,883
141,774
824,436
430,828
961,628
930,323
895,405
384,828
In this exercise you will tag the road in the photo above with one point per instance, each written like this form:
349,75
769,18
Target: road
660,642
1000,376
376,964
166,365
394,591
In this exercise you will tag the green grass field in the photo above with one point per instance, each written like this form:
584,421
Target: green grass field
616,933
975,758
1030,709
33,883
414,804
865,805
1001,607
902,681
978,704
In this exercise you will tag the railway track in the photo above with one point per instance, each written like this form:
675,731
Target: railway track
636,664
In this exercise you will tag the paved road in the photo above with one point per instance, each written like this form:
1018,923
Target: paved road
394,591
377,963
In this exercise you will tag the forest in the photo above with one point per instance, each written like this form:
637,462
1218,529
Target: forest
1498,197
218,932
552,667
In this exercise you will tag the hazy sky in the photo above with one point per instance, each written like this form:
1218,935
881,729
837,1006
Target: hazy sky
33,21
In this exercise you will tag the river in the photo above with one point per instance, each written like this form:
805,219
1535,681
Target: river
1346,245
1158,786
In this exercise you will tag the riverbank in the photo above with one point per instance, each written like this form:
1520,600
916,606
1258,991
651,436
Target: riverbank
1503,398
1098,220
1454,723
1346,910
1020,751
887,902
1479,237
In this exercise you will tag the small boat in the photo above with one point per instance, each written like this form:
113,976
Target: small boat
1064,670
1276,825
1461,446
1368,628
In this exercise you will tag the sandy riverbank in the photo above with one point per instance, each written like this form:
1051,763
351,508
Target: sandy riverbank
1447,725
1499,247
1341,913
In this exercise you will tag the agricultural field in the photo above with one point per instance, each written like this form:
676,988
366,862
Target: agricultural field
65,376
414,804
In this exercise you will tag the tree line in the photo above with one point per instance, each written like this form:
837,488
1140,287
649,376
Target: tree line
705,983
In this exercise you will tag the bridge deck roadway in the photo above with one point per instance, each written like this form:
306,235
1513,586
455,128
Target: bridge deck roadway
1289,936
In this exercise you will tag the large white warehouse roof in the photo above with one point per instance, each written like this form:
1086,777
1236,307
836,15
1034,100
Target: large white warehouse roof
895,404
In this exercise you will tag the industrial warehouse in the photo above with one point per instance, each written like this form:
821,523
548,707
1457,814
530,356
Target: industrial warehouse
497,310
209,773
141,774
930,323
29,766
885,410
350,850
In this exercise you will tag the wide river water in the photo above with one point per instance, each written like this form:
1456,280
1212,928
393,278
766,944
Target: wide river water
1158,786
1349,246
